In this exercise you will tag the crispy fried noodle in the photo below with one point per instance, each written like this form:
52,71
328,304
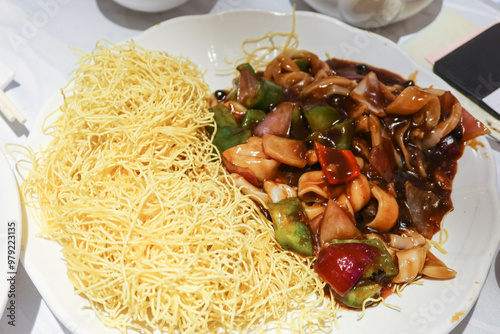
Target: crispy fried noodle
154,233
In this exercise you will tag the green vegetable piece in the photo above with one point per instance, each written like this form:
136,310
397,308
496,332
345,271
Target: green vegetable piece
382,263
223,116
270,95
321,118
304,64
259,93
339,136
251,118
290,226
228,136
357,295
299,128
228,133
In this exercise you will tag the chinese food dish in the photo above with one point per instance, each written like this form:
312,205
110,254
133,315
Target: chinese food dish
154,233
353,164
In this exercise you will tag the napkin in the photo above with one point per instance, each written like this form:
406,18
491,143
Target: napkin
446,33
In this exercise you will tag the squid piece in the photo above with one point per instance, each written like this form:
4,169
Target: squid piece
410,101
285,69
401,242
328,86
315,223
285,72
311,157
444,127
278,191
409,159
285,150
410,262
250,161
314,187
359,192
291,64
374,94
375,129
313,210
383,156
249,189
345,204
435,268
337,224
427,110
237,109
313,60
387,210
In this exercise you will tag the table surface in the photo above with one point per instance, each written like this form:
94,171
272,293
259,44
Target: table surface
34,39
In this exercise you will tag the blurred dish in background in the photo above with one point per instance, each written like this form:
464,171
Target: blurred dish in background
150,6
369,13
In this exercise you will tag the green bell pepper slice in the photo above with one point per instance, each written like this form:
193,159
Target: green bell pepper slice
304,64
227,137
299,128
256,93
357,295
290,226
228,133
321,118
338,136
223,116
251,118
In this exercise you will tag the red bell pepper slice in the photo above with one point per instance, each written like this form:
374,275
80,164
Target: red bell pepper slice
342,265
339,166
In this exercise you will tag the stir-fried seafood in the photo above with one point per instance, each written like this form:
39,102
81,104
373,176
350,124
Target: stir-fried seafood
353,164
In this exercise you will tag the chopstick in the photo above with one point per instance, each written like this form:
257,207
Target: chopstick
9,110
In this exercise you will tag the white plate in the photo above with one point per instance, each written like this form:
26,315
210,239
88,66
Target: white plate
474,229
10,235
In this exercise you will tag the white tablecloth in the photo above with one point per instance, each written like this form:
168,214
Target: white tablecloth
34,39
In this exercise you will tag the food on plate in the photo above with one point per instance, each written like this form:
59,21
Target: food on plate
352,164
155,234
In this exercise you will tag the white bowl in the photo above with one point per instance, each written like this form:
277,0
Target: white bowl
150,6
